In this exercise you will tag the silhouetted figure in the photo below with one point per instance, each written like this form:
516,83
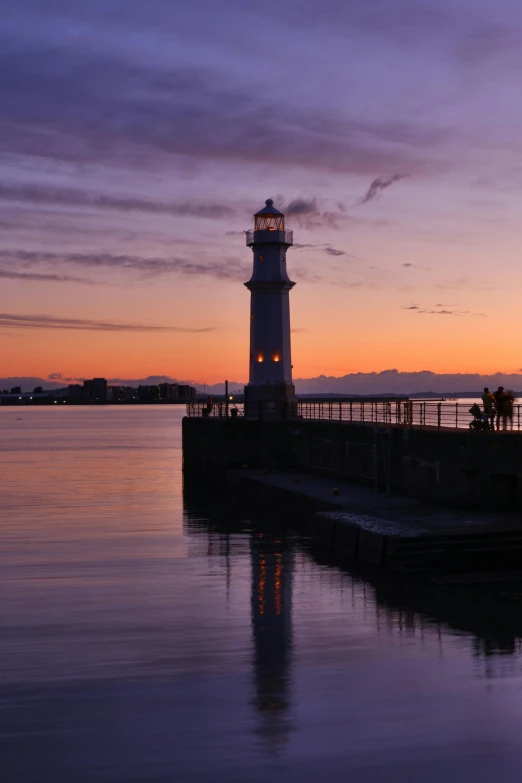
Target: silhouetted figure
509,402
500,405
488,401
207,410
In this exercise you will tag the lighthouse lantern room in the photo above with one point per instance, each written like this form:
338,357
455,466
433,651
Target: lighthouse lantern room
270,389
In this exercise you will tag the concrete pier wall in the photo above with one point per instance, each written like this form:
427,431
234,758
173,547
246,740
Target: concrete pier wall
455,468
355,524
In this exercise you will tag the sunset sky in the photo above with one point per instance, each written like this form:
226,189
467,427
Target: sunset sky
138,138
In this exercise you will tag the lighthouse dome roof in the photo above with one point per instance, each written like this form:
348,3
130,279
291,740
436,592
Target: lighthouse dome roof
269,209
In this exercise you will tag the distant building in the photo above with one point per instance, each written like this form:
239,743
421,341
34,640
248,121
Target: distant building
186,393
149,393
96,390
122,394
76,393
60,394
166,392
26,398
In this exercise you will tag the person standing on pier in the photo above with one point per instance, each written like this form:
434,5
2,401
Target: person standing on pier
488,401
508,413
502,405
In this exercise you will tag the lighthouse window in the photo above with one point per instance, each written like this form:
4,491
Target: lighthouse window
275,355
261,258
269,222
283,260
259,357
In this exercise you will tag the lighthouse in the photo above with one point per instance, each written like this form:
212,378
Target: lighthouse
270,390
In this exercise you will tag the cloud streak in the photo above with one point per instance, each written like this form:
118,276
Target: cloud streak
50,322
147,267
441,310
328,250
465,283
70,197
333,251
43,278
416,266
309,213
380,184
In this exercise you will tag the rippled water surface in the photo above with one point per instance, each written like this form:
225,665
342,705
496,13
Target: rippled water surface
148,638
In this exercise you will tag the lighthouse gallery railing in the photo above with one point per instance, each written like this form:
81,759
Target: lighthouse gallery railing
277,236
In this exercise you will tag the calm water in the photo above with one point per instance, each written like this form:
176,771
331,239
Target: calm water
147,640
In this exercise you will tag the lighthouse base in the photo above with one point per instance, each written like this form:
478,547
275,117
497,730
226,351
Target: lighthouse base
270,401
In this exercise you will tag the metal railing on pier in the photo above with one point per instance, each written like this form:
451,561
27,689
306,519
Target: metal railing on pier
398,412
214,410
409,413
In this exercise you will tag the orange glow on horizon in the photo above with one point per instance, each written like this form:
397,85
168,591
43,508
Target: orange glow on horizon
208,360
336,332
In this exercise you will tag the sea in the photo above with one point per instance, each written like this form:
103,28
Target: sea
153,634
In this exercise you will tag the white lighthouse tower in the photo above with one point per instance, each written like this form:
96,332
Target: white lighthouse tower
270,390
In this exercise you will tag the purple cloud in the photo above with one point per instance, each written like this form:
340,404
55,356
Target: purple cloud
147,267
380,184
70,197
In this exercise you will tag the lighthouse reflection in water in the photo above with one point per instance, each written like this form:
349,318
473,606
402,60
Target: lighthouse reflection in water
271,601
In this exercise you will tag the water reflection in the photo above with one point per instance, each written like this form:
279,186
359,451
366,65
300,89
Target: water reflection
141,643
488,615
225,534
271,607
